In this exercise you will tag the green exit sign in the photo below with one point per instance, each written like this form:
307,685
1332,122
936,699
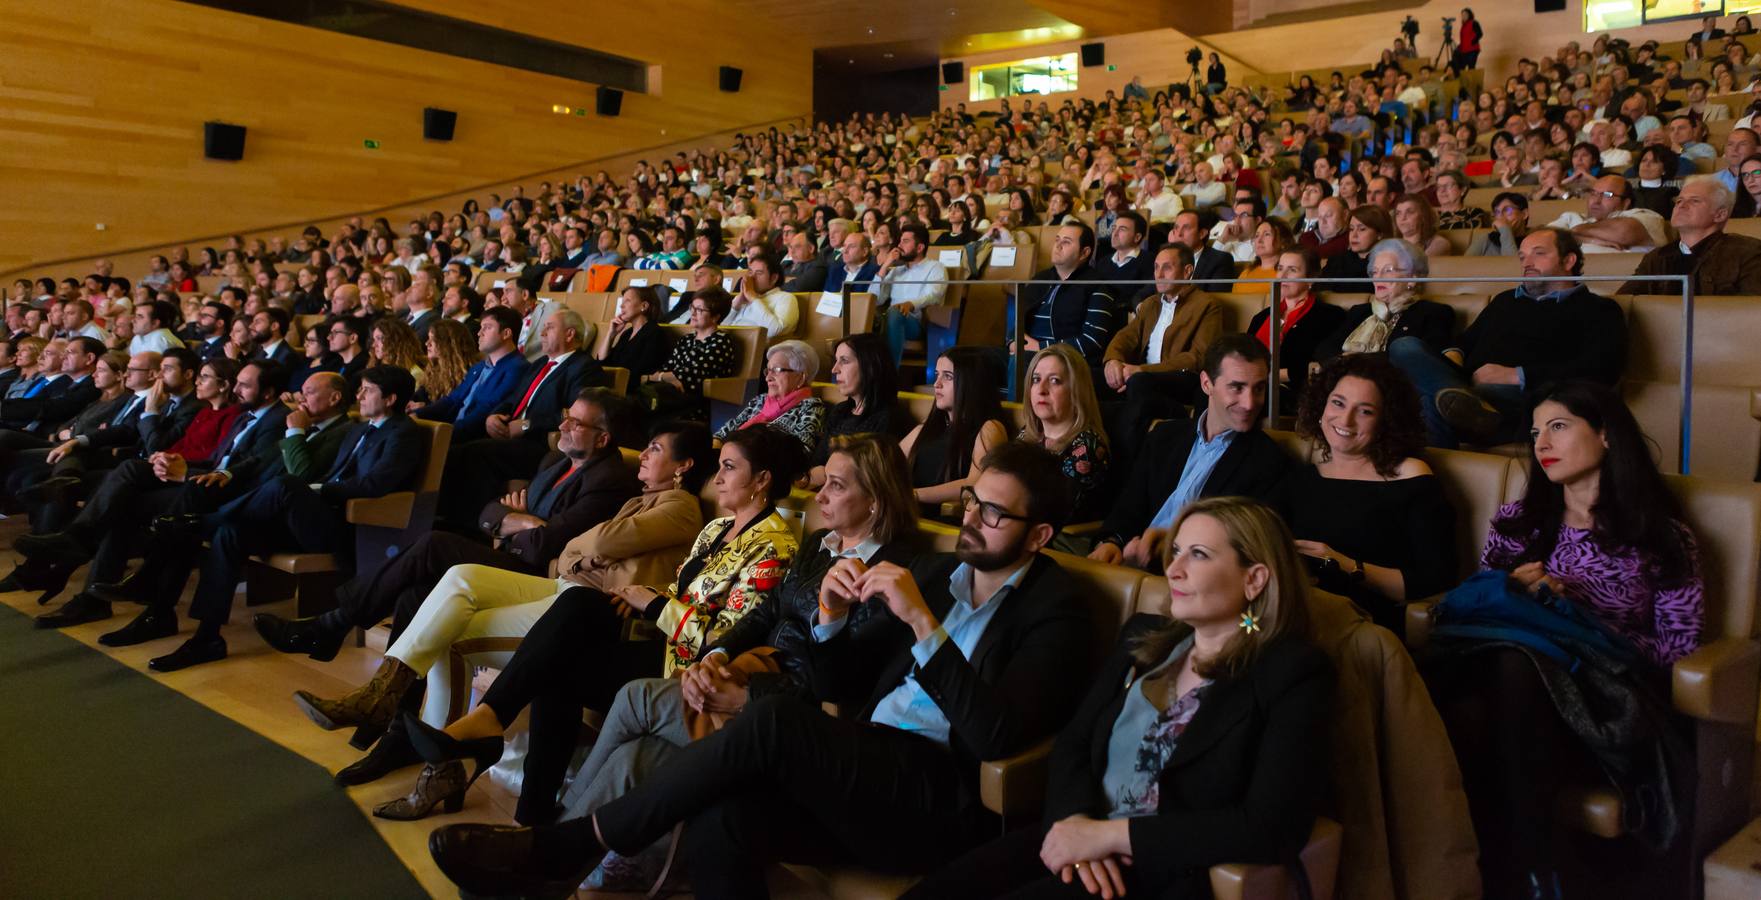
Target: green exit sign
580,110
1112,68
370,144
941,87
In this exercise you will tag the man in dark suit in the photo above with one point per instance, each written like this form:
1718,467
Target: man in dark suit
519,429
131,495
269,332
1223,452
487,383
803,271
424,298
95,439
1129,261
586,484
214,323
61,399
1207,262
575,249
315,431
383,453
973,657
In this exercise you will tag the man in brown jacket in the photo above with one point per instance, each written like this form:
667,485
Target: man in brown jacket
1720,263
1153,361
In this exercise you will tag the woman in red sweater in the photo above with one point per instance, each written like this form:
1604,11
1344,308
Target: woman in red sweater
214,393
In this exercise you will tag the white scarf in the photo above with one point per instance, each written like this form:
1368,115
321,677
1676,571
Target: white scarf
1371,335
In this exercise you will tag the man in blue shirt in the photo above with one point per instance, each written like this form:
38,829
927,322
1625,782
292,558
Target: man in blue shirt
977,655
1222,452
485,384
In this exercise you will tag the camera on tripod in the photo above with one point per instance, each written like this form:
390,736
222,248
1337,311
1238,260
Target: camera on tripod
1410,28
1193,58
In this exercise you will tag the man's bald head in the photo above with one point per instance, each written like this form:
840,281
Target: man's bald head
324,394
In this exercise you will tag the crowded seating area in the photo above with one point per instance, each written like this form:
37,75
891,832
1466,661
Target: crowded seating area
1301,485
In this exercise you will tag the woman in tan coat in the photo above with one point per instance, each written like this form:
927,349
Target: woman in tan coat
643,544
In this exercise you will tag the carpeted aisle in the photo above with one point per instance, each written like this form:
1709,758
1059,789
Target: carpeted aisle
115,786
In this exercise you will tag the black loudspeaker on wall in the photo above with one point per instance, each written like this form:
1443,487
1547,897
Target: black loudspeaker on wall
610,101
953,72
223,141
1542,6
1094,55
731,79
437,124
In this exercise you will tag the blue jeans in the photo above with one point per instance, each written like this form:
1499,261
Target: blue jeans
902,328
1432,372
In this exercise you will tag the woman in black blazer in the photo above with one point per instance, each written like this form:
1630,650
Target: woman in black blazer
1397,308
636,341
1203,740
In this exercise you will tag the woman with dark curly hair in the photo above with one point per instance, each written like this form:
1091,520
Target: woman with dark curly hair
1368,514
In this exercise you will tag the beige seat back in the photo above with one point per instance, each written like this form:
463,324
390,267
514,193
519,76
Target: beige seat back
1111,593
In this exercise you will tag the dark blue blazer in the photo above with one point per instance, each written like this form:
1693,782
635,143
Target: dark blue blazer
283,356
374,462
834,280
161,431
556,394
497,382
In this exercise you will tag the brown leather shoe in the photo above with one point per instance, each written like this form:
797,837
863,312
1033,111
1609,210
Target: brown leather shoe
369,707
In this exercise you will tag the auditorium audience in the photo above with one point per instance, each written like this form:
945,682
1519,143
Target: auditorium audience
964,424
810,787
1366,226
1220,452
634,338
1510,224
1269,243
1064,417
1154,359
1130,810
485,384
787,404
1303,320
1076,307
911,279
573,655
1720,263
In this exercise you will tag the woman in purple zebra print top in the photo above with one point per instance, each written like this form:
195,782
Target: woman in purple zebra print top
1598,525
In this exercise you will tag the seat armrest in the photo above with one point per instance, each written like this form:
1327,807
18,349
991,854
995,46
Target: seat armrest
1081,528
1717,682
1755,403
1016,785
727,390
620,380
390,511
1420,616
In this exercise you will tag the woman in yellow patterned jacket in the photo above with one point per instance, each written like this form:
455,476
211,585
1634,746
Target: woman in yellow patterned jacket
574,659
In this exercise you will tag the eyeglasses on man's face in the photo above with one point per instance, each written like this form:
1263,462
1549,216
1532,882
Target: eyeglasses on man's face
990,514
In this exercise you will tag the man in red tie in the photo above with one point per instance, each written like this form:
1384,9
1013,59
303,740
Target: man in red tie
519,430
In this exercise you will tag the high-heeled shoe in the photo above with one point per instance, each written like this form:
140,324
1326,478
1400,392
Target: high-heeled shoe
369,707
436,746
503,861
438,785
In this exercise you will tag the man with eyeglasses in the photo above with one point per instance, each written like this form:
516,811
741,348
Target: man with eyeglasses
1720,263
969,656
487,383
213,324
1548,329
347,339
1613,225
1222,452
585,483
1510,224
74,452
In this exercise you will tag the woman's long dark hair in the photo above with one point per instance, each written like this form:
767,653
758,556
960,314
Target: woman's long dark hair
977,400
1635,510
880,378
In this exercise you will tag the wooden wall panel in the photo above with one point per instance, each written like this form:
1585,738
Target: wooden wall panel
102,104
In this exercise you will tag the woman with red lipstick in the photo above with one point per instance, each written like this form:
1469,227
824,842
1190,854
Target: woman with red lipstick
1370,518
1598,528
1203,739
1064,417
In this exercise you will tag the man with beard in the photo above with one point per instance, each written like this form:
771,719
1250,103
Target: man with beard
970,659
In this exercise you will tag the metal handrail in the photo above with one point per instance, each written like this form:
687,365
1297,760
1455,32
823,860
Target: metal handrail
1687,317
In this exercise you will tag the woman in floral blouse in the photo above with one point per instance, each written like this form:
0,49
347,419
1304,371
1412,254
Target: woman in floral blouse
707,352
574,657
1064,417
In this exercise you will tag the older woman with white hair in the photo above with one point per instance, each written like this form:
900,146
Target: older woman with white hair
1395,310
1720,262
787,403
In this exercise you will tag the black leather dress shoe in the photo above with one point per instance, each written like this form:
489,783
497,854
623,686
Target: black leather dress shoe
389,754
49,490
193,652
501,860
151,625
172,527
54,547
308,636
81,609
131,589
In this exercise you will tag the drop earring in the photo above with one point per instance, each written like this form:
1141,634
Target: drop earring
1249,623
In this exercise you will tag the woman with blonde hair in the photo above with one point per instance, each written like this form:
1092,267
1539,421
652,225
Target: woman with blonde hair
1064,417
1229,680
451,352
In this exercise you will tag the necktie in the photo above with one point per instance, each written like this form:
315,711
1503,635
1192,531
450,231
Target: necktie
127,409
37,388
243,424
533,389
348,459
